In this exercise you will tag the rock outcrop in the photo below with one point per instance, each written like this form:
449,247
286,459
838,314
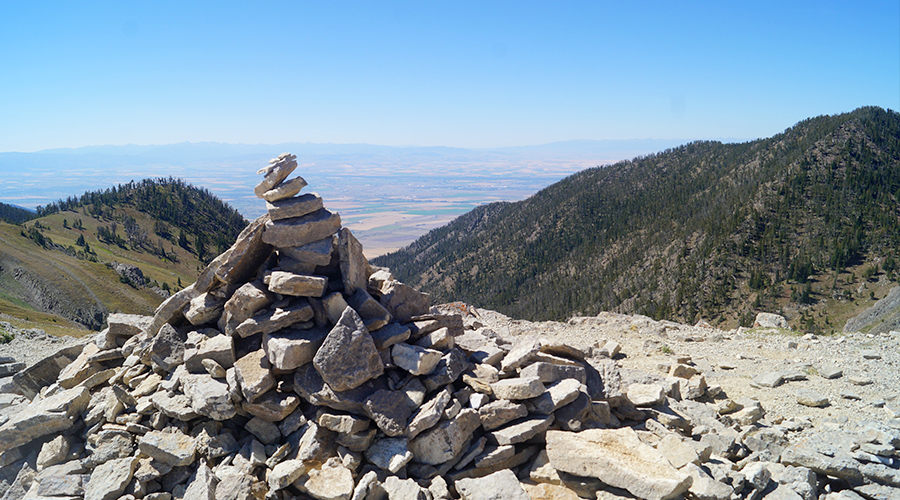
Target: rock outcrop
293,369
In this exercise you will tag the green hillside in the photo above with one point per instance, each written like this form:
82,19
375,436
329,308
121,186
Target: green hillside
59,271
806,223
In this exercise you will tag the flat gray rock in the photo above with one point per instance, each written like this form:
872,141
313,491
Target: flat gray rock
556,396
167,348
414,359
551,372
389,411
829,371
240,262
646,394
374,315
523,430
127,325
390,454
449,368
446,440
209,397
289,349
769,379
518,388
342,423
428,414
244,303
51,415
403,301
275,173
276,318
317,253
389,335
500,412
311,387
811,398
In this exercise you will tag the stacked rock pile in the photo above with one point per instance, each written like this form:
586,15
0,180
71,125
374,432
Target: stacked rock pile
293,369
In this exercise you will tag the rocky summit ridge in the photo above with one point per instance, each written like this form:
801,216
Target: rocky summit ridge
294,369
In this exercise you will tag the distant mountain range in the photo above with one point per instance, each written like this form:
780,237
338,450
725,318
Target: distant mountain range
806,223
212,151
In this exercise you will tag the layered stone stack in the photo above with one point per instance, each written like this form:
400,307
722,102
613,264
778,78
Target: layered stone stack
292,369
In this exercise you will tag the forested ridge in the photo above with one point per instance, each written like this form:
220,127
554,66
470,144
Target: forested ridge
706,230
192,217
14,214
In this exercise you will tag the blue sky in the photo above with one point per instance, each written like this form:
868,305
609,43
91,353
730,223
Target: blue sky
466,74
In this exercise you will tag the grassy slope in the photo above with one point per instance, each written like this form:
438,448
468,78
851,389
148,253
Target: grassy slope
81,280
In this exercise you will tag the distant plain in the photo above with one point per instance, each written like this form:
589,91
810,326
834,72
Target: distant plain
388,196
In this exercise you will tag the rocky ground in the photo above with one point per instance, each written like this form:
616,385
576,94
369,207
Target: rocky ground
813,392
30,345
867,388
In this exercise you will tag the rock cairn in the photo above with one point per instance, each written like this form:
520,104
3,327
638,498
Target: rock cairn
293,369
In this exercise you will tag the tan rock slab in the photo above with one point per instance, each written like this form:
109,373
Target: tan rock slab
48,416
283,474
297,285
518,388
253,374
273,406
546,491
445,441
618,458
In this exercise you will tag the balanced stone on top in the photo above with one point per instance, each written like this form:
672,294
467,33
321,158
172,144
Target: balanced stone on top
276,172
